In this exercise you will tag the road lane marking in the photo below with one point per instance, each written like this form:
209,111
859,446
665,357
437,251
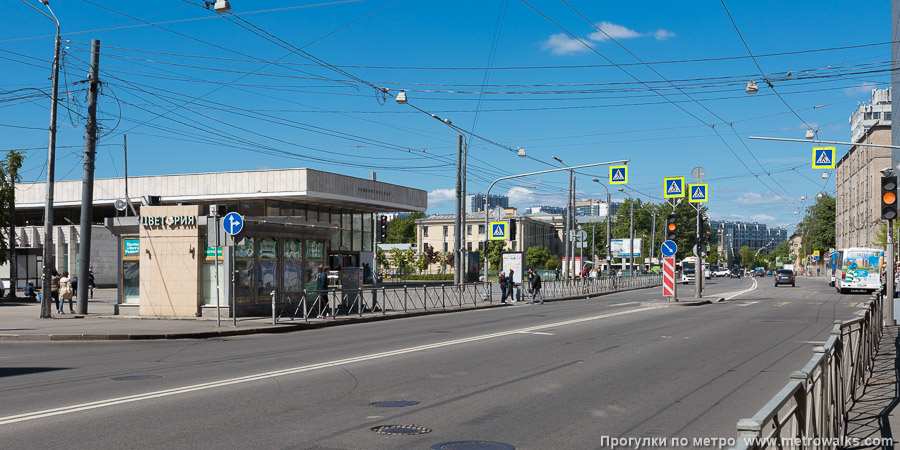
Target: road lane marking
623,304
749,303
813,342
729,296
295,370
780,304
542,333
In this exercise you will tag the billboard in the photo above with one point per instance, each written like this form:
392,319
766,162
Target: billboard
514,261
621,248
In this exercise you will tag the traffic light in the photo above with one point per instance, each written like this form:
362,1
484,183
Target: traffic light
382,229
889,198
701,237
512,230
671,227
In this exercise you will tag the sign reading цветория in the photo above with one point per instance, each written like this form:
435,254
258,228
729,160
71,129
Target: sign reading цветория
168,221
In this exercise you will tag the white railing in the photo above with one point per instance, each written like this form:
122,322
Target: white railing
811,410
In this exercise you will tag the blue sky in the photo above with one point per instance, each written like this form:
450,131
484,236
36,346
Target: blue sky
290,84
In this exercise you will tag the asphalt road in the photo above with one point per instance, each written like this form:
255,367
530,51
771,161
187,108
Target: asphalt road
561,375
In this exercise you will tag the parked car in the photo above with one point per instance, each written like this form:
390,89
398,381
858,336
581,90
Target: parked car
759,273
737,273
783,276
721,272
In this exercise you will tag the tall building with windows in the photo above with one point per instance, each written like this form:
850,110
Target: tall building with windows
476,202
858,174
754,235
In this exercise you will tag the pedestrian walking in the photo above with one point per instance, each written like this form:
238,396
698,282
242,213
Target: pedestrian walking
74,286
557,274
535,281
54,290
92,280
65,292
511,285
503,287
322,288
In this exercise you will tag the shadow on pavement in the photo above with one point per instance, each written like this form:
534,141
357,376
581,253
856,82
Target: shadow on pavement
870,417
16,371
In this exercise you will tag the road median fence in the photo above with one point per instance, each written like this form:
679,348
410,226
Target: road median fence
337,302
811,410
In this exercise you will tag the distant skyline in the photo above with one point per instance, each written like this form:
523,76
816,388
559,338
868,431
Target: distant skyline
280,85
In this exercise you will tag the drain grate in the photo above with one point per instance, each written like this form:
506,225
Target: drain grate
394,403
401,430
137,378
472,445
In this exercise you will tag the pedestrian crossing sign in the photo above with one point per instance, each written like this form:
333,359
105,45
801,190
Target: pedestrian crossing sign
498,231
673,187
698,192
618,174
823,158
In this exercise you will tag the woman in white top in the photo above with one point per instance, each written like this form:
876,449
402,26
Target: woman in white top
65,292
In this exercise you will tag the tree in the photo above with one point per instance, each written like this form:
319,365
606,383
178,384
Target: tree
402,230
748,257
713,255
817,226
686,219
536,256
9,176
553,264
495,252
381,259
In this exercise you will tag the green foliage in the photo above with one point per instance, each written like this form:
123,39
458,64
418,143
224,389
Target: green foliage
817,226
430,277
421,263
748,257
381,259
553,264
686,219
537,256
495,252
402,230
9,175
713,255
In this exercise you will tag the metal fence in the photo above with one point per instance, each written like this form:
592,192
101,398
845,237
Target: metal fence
811,410
336,302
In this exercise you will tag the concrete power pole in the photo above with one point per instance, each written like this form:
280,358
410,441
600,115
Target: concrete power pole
48,207
87,187
457,235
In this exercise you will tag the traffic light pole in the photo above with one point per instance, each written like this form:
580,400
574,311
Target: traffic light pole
889,274
698,271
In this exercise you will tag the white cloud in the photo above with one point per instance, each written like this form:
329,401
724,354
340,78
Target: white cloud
561,44
440,197
611,30
762,218
864,88
752,198
520,196
663,35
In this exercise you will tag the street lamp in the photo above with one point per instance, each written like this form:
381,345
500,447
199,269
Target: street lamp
608,211
570,221
51,165
509,177
461,171
631,226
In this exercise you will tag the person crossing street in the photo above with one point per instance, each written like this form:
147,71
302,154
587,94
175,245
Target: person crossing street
535,281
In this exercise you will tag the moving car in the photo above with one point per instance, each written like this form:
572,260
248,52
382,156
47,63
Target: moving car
721,272
783,276
737,273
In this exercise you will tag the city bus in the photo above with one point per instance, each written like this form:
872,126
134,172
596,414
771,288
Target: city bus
688,269
833,266
858,268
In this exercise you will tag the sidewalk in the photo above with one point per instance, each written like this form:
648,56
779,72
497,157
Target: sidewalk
875,413
20,321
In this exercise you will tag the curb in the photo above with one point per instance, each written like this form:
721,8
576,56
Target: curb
676,304
288,327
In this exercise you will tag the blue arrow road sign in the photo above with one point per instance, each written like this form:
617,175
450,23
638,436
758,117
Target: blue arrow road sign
233,223
669,248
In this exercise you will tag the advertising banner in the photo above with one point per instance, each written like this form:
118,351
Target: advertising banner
621,248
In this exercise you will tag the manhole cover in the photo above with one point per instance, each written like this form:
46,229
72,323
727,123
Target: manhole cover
472,445
136,378
401,430
394,403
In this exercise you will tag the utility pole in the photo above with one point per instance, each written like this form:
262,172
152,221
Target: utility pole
51,165
653,240
698,271
565,240
457,238
13,273
574,224
608,244
87,186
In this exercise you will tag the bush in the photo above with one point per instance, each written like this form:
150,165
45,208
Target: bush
426,277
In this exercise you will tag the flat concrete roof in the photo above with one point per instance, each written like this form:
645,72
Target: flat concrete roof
300,185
